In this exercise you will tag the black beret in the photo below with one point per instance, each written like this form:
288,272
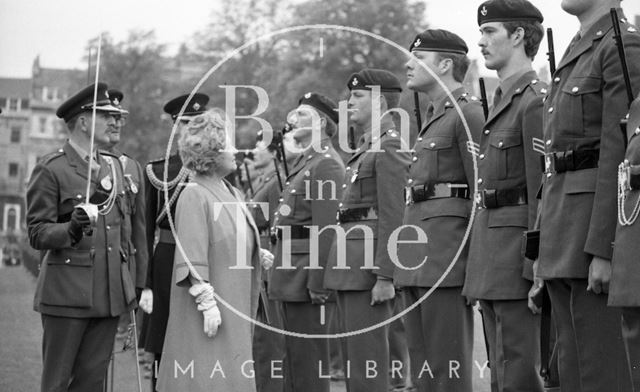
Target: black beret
83,101
435,40
507,11
387,81
197,105
322,103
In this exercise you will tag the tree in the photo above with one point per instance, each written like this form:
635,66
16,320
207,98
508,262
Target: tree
139,68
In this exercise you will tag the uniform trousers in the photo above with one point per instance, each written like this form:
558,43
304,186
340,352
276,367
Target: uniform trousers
631,335
269,349
306,360
76,352
365,355
440,337
398,350
513,335
591,356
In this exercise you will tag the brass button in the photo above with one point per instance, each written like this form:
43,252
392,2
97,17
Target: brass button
548,142
109,249
500,144
432,144
551,109
410,181
481,156
108,227
575,89
344,186
486,131
420,139
556,79
479,180
414,159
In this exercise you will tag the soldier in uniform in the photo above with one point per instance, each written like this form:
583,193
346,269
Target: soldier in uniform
135,244
84,283
438,198
509,177
625,269
309,201
160,240
583,146
371,209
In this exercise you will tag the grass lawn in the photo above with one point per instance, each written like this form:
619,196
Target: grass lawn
20,342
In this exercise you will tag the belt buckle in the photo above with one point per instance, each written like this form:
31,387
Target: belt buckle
548,163
490,194
408,195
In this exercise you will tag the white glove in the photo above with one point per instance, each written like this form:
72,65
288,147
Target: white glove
266,258
212,321
146,301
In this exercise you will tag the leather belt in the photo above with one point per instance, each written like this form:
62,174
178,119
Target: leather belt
357,214
166,236
496,198
564,161
297,233
419,193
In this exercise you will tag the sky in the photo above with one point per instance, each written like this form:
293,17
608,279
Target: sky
58,30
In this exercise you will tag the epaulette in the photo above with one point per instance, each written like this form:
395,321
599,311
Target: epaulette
51,156
539,87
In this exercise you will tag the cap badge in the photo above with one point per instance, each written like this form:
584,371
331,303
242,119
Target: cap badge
196,106
307,95
116,101
417,43
484,11
354,82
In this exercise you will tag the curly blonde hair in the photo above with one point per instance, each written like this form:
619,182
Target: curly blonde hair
202,140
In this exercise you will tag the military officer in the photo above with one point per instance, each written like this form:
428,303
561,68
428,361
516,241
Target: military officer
625,269
135,245
509,176
309,201
371,209
160,240
438,200
84,283
583,146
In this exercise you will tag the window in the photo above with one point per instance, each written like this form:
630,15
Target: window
15,134
3,103
43,125
25,104
13,104
13,169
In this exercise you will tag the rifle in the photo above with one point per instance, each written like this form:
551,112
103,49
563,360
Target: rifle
416,103
483,98
275,164
617,35
352,136
551,54
246,169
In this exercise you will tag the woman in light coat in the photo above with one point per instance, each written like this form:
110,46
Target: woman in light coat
216,271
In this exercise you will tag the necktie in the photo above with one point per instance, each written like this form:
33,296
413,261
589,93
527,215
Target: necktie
497,97
430,109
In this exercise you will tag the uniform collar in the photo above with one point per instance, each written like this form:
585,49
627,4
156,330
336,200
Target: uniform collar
505,85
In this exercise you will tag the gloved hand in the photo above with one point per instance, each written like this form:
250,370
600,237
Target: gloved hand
203,293
266,258
146,301
212,321
79,220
